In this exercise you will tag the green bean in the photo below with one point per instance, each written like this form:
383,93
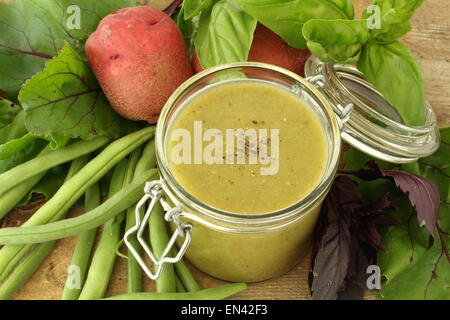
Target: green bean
104,257
38,254
217,293
12,197
13,260
159,238
121,201
24,171
83,247
130,169
146,162
11,255
134,275
25,270
76,166
180,287
72,190
185,275
148,158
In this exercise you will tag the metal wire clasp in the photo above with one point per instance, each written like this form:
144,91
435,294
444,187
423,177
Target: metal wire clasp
317,81
154,191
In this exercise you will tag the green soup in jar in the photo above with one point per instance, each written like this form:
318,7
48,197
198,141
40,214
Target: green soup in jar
248,147
294,144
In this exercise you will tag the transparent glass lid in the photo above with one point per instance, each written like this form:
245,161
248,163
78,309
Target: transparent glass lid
369,122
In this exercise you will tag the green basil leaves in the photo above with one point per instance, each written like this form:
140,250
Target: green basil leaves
390,18
338,41
286,18
392,69
225,34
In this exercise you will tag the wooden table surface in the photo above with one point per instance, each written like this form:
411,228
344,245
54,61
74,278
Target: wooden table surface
430,42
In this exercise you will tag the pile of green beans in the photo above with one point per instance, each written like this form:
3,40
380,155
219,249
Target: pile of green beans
25,270
115,205
37,254
146,162
57,207
102,263
159,238
85,242
48,160
132,161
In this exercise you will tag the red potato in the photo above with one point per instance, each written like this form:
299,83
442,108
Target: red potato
139,58
270,48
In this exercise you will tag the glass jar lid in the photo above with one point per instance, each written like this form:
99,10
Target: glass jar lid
368,121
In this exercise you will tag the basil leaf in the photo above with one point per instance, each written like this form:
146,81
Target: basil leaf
192,8
286,18
392,69
336,41
225,35
332,261
65,100
188,29
392,22
423,195
33,31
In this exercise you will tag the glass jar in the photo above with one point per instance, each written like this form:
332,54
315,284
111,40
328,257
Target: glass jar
256,247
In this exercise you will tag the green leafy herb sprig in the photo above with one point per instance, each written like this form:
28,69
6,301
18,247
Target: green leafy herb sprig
372,44
416,261
224,33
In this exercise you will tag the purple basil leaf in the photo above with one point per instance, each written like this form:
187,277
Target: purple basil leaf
423,194
355,283
331,262
368,233
361,257
352,291
385,220
370,173
381,205
345,192
319,232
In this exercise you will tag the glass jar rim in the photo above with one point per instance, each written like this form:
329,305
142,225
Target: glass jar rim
286,215
368,129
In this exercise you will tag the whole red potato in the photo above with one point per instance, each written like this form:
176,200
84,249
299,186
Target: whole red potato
268,47
139,58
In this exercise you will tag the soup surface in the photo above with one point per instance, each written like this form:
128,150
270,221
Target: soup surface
247,147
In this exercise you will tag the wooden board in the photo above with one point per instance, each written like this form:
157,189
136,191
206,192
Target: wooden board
430,43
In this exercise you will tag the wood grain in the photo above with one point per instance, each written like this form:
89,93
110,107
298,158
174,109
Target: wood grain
430,43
